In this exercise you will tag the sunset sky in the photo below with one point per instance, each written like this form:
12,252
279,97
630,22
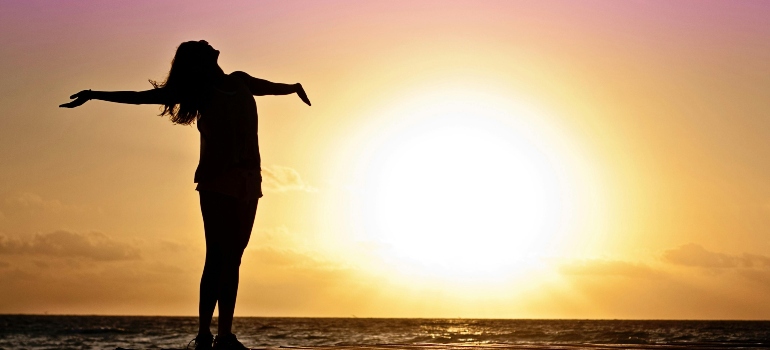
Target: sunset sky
497,159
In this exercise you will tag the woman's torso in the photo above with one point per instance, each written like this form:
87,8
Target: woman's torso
229,159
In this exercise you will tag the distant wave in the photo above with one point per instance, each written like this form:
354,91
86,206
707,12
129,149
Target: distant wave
82,332
97,330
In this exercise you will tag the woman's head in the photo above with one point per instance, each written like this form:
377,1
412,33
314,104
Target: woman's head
192,72
195,56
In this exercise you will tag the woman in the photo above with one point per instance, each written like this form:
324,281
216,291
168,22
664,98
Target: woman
228,174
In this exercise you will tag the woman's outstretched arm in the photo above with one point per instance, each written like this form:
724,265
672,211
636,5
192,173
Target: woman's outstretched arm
157,96
261,87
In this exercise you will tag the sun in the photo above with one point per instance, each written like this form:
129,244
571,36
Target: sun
459,187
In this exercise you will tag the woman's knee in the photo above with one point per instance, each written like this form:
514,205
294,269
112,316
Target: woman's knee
213,260
231,257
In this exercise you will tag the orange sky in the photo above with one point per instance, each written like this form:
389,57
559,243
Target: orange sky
549,159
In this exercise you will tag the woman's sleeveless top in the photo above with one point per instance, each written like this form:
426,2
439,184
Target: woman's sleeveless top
229,159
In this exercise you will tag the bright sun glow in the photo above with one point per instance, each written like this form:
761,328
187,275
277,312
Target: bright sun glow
458,189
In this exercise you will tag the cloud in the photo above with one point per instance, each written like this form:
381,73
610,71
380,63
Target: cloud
294,259
609,268
26,201
30,206
695,255
171,246
759,276
61,243
278,178
284,257
32,201
276,237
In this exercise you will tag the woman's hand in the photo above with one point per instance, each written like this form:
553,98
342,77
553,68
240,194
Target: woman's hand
80,98
302,95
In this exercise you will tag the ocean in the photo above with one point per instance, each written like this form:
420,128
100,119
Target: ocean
109,332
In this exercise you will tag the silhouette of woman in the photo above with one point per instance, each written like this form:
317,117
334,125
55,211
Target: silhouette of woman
228,174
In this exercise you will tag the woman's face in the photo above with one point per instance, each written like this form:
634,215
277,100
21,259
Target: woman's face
209,50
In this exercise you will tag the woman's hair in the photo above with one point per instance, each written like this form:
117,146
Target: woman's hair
189,81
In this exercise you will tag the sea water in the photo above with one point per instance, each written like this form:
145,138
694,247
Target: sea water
109,332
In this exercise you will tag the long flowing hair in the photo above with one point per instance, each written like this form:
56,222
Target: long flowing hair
190,82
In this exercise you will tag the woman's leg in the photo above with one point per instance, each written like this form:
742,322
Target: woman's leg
233,247
228,223
209,289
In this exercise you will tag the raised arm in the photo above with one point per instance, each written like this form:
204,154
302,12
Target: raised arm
261,87
153,96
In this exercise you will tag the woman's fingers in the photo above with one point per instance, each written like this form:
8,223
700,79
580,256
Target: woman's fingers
80,98
83,94
79,101
303,96
68,105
